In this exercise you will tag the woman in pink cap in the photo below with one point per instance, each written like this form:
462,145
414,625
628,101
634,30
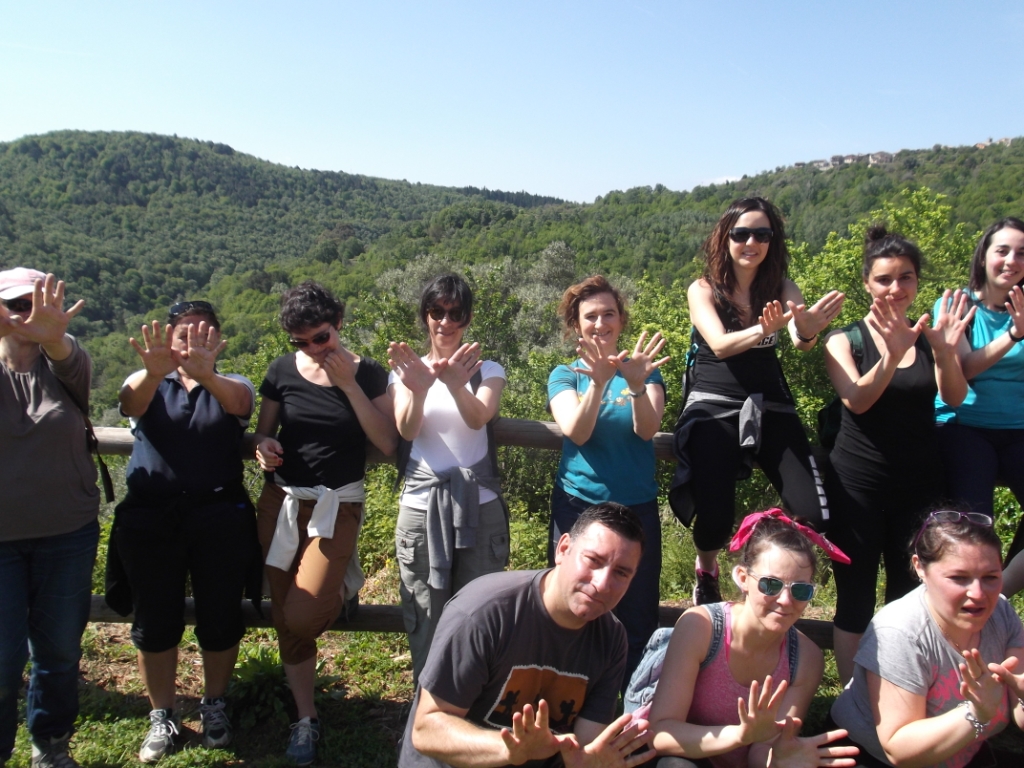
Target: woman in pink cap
48,531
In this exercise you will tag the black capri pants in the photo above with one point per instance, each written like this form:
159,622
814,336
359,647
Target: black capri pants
161,546
715,458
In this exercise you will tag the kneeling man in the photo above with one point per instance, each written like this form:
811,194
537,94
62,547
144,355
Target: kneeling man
526,666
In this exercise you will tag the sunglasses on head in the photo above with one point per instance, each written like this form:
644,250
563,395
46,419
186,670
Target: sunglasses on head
321,338
184,307
802,591
18,306
455,314
952,516
742,234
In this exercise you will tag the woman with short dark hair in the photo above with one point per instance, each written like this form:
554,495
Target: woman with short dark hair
187,516
452,520
321,404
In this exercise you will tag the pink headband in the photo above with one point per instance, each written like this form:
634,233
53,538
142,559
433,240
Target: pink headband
751,521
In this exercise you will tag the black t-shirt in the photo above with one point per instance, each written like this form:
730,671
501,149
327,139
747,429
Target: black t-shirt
323,442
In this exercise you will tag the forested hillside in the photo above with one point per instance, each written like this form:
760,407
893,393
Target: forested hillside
135,221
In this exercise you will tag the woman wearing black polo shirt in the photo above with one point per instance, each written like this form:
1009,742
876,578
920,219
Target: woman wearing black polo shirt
326,402
186,515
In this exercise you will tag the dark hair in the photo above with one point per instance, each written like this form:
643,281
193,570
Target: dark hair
309,305
447,289
622,520
569,307
879,243
718,271
210,317
937,537
978,262
772,532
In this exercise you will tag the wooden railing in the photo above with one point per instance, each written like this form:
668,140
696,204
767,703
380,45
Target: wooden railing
522,433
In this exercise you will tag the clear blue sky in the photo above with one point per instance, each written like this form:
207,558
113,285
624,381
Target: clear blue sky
572,99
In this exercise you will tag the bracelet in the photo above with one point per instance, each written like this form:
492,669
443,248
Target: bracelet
1012,337
635,395
970,717
803,339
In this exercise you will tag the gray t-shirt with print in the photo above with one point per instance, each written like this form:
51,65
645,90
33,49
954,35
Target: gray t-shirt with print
905,646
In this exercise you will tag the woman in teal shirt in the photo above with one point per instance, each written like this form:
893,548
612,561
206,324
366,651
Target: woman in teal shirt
982,441
609,405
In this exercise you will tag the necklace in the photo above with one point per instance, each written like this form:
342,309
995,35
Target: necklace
952,642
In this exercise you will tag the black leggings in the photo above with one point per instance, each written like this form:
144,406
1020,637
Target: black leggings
785,457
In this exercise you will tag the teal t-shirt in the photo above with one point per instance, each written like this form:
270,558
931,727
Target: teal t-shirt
614,464
994,396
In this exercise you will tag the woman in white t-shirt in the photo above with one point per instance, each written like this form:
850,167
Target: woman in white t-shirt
452,520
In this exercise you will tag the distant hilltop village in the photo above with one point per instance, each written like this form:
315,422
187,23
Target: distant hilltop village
879,158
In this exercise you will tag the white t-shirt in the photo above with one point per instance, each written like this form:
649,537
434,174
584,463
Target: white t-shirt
444,440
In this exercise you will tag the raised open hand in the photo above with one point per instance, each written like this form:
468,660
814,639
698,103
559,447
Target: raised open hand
157,356
897,334
642,363
202,345
598,366
758,715
461,366
791,751
1004,671
951,321
48,322
615,747
810,321
1015,307
414,374
530,737
981,687
773,318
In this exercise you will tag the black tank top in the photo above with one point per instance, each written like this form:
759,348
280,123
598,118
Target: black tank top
755,370
897,433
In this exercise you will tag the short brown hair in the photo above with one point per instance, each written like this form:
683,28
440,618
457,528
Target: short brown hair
569,308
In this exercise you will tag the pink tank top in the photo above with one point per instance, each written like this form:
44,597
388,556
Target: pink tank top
716,691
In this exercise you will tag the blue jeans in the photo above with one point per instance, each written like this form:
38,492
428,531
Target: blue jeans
46,585
638,609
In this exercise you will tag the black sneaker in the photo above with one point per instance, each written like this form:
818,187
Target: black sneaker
163,727
216,725
705,590
52,753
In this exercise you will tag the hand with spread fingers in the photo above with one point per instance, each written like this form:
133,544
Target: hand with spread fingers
530,737
615,747
773,318
48,321
758,715
642,363
1015,308
203,344
891,324
1004,671
981,687
415,375
158,358
461,366
791,751
810,321
598,366
951,322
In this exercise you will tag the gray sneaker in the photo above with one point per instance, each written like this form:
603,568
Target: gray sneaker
216,725
302,743
52,753
164,725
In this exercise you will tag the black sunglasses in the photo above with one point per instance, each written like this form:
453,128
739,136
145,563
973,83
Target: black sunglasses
802,591
184,307
18,306
455,314
320,338
952,516
742,234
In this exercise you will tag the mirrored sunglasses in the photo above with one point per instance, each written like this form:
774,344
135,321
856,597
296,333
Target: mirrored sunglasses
455,314
742,234
184,307
952,516
802,591
320,338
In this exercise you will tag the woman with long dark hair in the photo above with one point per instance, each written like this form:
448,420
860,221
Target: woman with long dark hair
739,408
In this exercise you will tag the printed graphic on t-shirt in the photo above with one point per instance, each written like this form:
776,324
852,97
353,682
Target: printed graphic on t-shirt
563,691
768,341
946,689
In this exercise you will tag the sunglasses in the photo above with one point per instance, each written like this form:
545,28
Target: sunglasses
184,307
802,591
455,314
320,338
742,234
18,306
951,516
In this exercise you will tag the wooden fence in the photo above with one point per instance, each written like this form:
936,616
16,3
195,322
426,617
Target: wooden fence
522,433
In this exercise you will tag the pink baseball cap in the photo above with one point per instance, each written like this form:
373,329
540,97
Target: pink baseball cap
18,282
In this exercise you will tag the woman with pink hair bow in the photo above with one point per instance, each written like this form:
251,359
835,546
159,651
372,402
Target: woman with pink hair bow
740,675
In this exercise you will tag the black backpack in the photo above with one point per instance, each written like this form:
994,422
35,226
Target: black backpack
831,416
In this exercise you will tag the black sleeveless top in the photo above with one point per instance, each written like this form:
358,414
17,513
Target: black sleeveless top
896,435
755,370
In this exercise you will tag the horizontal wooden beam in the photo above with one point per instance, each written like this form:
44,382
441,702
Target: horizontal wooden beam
388,618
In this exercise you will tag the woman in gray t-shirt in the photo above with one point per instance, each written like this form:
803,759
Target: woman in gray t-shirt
930,669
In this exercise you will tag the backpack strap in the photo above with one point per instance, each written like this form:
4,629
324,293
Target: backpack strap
793,649
717,613
856,338
93,443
